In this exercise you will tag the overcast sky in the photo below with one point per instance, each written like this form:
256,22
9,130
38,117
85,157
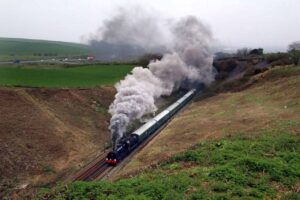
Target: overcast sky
235,23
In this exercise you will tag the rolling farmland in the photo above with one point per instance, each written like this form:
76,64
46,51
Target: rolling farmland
27,49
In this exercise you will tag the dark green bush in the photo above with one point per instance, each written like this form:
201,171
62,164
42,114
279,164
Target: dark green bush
199,195
227,173
220,187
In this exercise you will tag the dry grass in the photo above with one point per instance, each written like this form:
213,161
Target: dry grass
47,133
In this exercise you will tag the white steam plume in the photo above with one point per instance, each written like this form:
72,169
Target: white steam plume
189,63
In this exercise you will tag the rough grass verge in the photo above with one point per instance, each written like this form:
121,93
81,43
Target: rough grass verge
239,167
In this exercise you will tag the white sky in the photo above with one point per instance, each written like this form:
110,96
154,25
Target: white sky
235,23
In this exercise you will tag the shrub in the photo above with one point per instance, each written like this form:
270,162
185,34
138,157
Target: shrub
227,173
291,196
219,187
199,195
172,195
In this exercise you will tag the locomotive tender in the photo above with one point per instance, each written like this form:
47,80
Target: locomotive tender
129,143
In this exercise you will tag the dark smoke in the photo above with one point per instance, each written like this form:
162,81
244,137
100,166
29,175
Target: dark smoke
105,51
188,63
128,35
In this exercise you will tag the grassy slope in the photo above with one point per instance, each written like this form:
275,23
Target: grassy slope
271,100
11,48
254,151
83,76
232,168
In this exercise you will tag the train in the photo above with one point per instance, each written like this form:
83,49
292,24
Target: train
129,143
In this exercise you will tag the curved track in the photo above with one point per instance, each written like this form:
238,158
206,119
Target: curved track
93,170
98,169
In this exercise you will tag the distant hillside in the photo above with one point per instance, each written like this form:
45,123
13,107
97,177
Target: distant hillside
13,48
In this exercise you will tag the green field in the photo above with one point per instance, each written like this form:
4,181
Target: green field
82,76
26,49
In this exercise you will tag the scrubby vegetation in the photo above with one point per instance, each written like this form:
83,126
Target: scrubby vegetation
243,166
294,51
82,76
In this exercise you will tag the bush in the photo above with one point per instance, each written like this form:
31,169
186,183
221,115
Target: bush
199,195
291,196
219,187
147,58
172,195
187,156
271,57
227,173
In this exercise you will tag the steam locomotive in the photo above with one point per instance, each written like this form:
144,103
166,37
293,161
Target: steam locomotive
130,142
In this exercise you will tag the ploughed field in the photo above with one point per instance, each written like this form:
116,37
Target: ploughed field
240,141
80,77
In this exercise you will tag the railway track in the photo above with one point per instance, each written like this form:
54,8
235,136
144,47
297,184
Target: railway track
98,169
92,170
107,174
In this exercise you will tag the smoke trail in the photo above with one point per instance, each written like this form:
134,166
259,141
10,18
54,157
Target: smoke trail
135,97
129,34
135,26
189,63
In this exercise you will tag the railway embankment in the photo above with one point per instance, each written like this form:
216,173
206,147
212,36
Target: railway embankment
47,134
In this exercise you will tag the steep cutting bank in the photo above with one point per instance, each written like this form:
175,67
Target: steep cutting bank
48,133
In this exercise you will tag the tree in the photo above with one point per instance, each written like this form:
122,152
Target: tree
147,58
294,51
258,52
242,52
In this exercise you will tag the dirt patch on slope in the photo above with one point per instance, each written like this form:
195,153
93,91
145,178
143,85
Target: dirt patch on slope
272,100
47,132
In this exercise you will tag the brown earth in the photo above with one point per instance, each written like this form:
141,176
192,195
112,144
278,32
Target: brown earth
48,133
267,101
